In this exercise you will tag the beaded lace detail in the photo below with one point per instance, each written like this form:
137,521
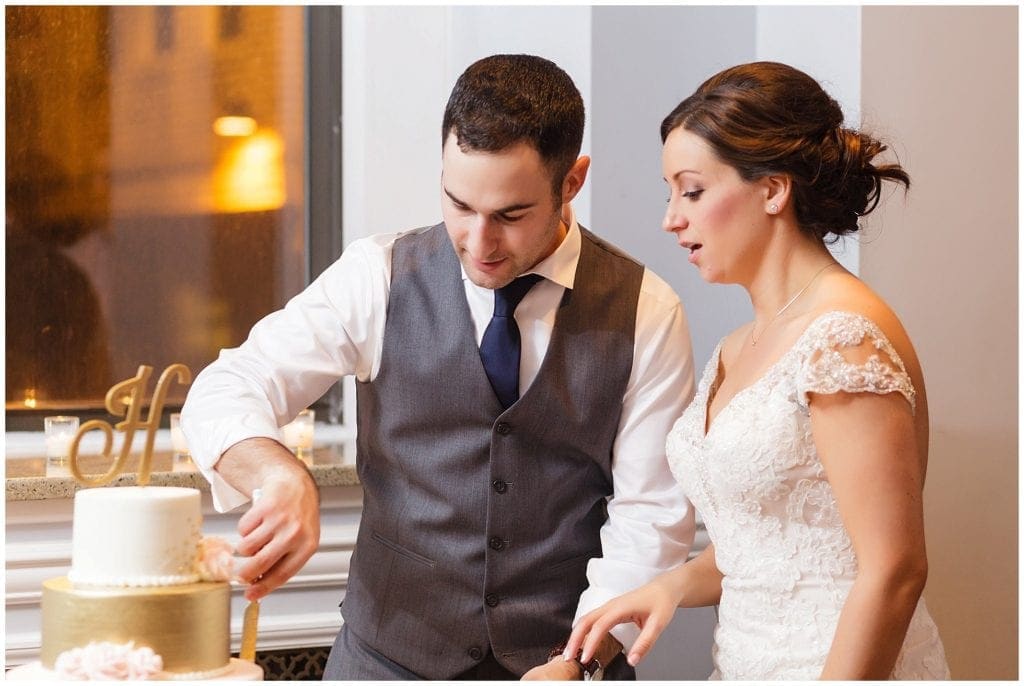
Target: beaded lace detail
762,491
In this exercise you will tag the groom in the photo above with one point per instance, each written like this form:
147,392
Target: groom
489,520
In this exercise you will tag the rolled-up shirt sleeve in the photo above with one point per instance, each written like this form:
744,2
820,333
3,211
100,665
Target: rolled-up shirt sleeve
650,526
331,329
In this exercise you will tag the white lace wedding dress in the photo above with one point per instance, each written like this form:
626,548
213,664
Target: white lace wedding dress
762,491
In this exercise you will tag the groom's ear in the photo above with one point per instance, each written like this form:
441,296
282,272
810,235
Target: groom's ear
575,178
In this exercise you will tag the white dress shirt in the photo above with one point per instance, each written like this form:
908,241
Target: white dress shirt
335,327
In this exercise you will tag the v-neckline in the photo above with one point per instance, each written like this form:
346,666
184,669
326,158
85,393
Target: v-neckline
708,422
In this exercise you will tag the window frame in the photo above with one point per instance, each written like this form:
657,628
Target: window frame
324,229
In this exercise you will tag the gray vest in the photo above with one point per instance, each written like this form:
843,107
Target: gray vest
478,523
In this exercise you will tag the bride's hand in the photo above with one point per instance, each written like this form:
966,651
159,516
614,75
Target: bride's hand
650,607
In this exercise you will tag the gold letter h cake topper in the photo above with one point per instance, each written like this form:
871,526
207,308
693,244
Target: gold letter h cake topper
125,399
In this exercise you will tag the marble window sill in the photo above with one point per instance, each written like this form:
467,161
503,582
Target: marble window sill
29,477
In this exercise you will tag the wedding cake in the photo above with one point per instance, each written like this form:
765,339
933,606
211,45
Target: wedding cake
146,597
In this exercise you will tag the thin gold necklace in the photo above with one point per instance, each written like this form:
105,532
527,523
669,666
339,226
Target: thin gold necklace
753,340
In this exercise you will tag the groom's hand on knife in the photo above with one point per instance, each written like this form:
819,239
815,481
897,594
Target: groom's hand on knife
557,668
281,531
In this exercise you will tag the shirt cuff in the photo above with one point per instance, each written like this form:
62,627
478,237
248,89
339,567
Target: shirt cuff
225,498
213,438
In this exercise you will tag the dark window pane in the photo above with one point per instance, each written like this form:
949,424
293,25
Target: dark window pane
230,21
164,28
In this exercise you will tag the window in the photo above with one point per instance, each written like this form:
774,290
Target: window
158,200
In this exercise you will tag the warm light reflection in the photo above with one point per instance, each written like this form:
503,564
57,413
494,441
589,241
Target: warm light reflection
250,175
234,126
30,397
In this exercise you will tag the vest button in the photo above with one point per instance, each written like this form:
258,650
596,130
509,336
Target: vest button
491,599
476,653
499,485
504,428
496,543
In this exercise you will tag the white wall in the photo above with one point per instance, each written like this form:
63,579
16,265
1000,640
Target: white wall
942,83
394,87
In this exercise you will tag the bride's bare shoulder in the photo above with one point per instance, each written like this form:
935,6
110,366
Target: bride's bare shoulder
846,293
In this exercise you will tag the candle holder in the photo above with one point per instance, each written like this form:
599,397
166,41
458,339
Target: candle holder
182,458
298,435
60,432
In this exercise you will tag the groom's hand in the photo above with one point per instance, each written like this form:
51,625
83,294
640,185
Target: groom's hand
560,669
557,669
281,531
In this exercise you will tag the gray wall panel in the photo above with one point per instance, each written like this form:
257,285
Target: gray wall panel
646,60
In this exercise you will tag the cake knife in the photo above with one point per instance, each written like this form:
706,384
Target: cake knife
251,619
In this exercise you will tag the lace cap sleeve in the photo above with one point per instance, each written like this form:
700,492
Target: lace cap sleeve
848,352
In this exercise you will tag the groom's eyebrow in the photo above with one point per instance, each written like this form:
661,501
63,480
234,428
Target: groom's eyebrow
504,210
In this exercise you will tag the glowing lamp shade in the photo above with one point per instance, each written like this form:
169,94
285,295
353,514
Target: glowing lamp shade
250,174
234,126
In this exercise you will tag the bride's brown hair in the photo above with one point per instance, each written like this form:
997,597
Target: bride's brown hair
768,118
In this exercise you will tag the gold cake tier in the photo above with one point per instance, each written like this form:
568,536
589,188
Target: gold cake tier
187,625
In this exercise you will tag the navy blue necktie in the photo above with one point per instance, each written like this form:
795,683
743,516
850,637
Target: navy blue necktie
500,347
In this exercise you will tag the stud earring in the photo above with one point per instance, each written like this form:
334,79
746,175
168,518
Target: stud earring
773,208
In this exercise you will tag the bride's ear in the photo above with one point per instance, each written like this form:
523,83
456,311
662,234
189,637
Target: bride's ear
777,189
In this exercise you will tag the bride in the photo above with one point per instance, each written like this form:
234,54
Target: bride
806,445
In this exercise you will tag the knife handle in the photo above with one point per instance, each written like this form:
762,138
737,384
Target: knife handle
251,618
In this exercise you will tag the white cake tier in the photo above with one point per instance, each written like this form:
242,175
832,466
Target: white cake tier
135,536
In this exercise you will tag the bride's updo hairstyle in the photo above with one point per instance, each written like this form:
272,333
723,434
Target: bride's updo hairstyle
768,118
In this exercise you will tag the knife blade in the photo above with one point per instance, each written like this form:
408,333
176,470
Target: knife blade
249,623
